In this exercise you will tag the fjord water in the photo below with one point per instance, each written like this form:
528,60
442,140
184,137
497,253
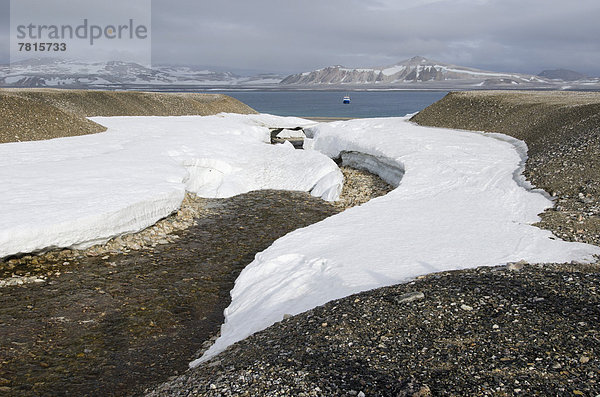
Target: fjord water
329,103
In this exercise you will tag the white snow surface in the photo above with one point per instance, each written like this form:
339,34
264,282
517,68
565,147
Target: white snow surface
291,134
461,203
393,70
80,191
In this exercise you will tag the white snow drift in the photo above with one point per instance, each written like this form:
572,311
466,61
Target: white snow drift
458,205
75,192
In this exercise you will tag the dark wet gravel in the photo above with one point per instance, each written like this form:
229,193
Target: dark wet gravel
118,325
482,332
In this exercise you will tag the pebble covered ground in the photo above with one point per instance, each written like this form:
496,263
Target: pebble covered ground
522,330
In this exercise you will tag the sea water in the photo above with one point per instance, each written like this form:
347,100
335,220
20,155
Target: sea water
329,103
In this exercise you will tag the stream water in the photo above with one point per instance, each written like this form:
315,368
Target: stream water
120,324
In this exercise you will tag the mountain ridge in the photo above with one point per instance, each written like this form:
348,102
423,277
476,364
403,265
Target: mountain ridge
52,72
415,73
414,70
562,74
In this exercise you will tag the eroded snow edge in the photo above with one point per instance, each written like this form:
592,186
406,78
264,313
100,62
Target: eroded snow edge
462,203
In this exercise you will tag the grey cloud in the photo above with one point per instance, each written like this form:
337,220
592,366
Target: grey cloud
4,31
524,36
293,35
73,12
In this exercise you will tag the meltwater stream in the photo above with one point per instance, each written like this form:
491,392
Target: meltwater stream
117,325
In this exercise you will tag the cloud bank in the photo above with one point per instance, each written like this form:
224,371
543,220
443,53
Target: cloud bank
271,35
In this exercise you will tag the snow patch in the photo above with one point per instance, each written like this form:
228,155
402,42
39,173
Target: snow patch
81,191
387,169
461,203
291,134
393,70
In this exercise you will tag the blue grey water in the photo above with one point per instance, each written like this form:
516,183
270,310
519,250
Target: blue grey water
329,103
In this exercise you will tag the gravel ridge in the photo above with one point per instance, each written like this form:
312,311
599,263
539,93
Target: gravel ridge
38,114
515,330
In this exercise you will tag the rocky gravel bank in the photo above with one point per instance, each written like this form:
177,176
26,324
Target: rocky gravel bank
518,330
38,114
43,266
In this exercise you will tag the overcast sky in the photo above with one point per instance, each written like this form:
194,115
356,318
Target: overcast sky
4,31
292,35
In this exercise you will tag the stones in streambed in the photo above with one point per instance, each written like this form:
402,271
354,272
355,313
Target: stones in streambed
359,187
388,169
20,280
49,264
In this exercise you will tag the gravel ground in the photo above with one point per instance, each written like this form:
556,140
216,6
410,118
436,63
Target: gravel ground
360,187
515,330
38,114
488,331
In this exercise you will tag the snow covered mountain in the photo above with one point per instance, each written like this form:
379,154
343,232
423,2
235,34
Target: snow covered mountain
562,74
48,72
414,71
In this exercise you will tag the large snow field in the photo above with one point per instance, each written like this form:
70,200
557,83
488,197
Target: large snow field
79,191
460,203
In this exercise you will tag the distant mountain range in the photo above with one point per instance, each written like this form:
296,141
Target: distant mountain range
563,74
423,72
49,72
414,73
